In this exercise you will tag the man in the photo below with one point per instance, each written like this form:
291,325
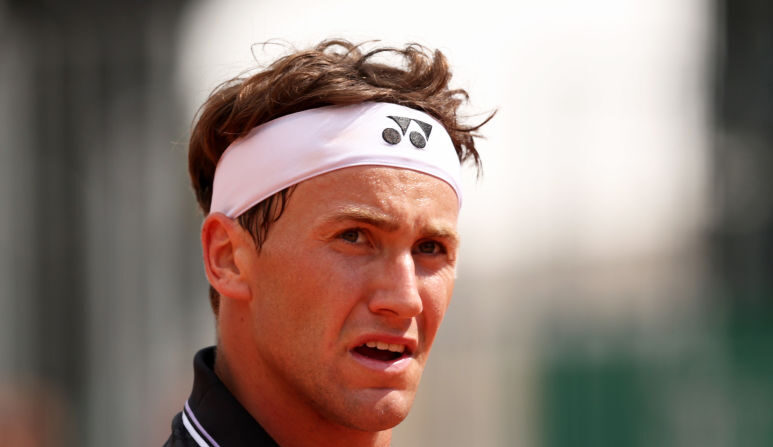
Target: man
331,186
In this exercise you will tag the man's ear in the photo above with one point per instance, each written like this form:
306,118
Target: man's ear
225,246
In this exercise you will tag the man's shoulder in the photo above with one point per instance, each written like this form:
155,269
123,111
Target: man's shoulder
180,437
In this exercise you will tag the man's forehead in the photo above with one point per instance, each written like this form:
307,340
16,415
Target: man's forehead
383,219
388,198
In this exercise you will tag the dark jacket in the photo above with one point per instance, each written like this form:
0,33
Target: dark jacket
212,416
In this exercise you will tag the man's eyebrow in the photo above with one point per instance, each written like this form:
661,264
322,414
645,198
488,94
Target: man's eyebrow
387,223
364,215
442,232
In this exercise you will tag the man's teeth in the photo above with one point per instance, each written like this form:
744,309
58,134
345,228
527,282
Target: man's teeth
385,346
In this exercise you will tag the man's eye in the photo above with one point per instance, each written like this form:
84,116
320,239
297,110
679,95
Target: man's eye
430,248
352,236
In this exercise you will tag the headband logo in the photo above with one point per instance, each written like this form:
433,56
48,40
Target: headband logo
418,140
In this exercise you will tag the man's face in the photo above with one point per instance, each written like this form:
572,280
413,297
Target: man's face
349,291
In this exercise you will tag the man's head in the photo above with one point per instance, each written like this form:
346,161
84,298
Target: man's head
329,292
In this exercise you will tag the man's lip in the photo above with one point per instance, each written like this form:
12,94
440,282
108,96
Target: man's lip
409,343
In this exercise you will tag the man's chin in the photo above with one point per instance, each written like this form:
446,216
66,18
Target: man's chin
379,410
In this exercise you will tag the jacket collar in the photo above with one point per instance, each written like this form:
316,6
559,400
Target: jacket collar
214,417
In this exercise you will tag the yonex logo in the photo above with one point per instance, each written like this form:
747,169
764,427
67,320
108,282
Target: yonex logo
419,141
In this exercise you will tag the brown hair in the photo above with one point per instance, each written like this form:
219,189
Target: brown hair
335,72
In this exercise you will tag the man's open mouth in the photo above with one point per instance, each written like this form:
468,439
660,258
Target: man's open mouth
385,352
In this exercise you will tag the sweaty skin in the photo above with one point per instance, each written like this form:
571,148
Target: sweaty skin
342,304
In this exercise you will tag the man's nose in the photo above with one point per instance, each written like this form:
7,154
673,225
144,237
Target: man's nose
397,288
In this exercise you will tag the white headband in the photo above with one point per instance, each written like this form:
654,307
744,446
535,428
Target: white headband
299,146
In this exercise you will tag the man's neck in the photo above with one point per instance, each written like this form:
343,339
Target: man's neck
289,423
